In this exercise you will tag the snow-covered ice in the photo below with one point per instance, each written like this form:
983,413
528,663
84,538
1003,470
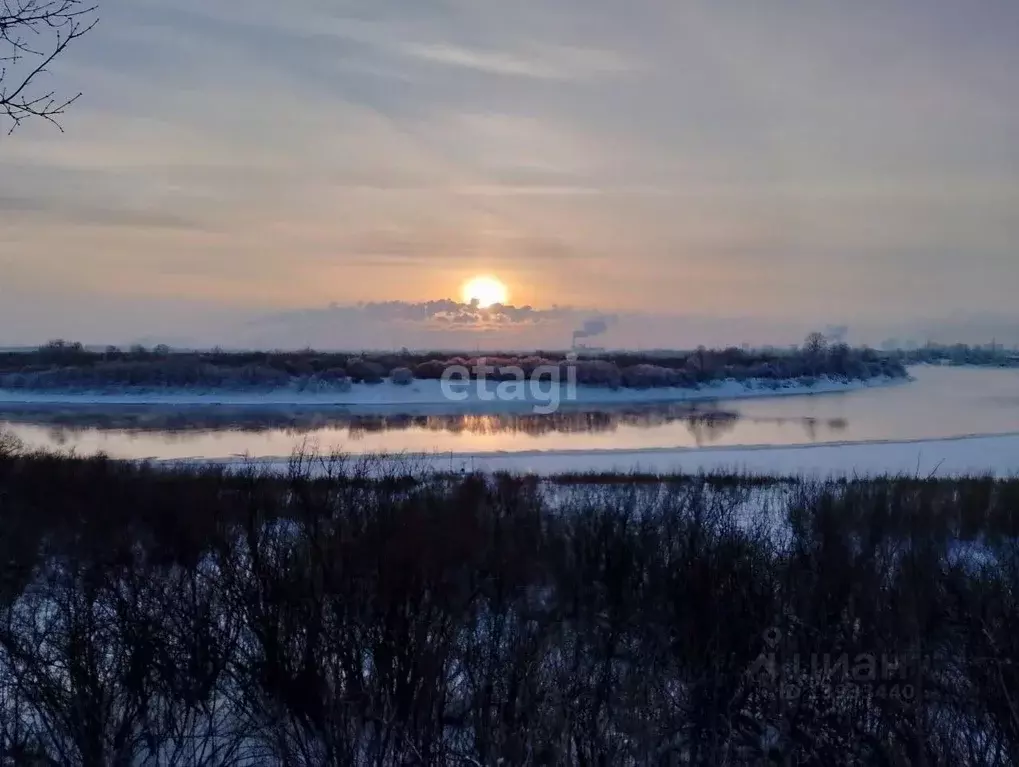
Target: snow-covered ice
978,455
428,397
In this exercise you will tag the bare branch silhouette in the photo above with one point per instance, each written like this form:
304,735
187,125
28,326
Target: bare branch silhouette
33,33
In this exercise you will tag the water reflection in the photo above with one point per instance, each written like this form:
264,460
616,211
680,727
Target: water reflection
705,423
938,403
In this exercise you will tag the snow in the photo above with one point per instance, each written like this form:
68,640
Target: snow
976,455
428,397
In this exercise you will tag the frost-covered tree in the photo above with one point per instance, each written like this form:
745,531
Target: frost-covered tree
33,33
402,376
815,344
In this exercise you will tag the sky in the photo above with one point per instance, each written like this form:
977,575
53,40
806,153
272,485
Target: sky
328,172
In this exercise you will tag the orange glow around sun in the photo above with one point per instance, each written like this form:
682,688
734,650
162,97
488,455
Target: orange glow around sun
485,290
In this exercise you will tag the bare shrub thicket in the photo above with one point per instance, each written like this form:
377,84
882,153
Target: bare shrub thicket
69,366
357,615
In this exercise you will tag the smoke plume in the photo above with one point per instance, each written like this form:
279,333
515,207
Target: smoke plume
592,327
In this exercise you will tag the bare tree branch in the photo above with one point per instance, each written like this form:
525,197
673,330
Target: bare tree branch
33,33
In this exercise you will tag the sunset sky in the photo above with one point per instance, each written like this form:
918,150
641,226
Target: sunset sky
250,176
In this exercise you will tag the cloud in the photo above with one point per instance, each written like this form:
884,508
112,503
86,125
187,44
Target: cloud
443,323
540,63
642,158
486,61
454,325
428,314
82,213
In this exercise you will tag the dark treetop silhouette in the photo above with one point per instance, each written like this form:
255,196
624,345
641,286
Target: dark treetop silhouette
33,33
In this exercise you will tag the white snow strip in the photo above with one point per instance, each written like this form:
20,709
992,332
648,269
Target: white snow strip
428,397
975,455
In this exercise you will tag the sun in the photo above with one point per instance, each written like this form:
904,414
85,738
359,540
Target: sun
486,291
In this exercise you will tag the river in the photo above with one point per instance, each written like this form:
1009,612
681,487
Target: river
940,402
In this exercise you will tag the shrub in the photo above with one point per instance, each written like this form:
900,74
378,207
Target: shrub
10,445
402,376
649,376
429,371
61,365
599,373
364,615
333,374
363,371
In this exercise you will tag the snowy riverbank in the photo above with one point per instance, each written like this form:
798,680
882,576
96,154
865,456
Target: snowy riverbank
961,456
428,397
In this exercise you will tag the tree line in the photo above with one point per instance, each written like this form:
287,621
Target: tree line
61,365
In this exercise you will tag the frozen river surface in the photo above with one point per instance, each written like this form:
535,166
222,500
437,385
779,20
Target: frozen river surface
940,403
